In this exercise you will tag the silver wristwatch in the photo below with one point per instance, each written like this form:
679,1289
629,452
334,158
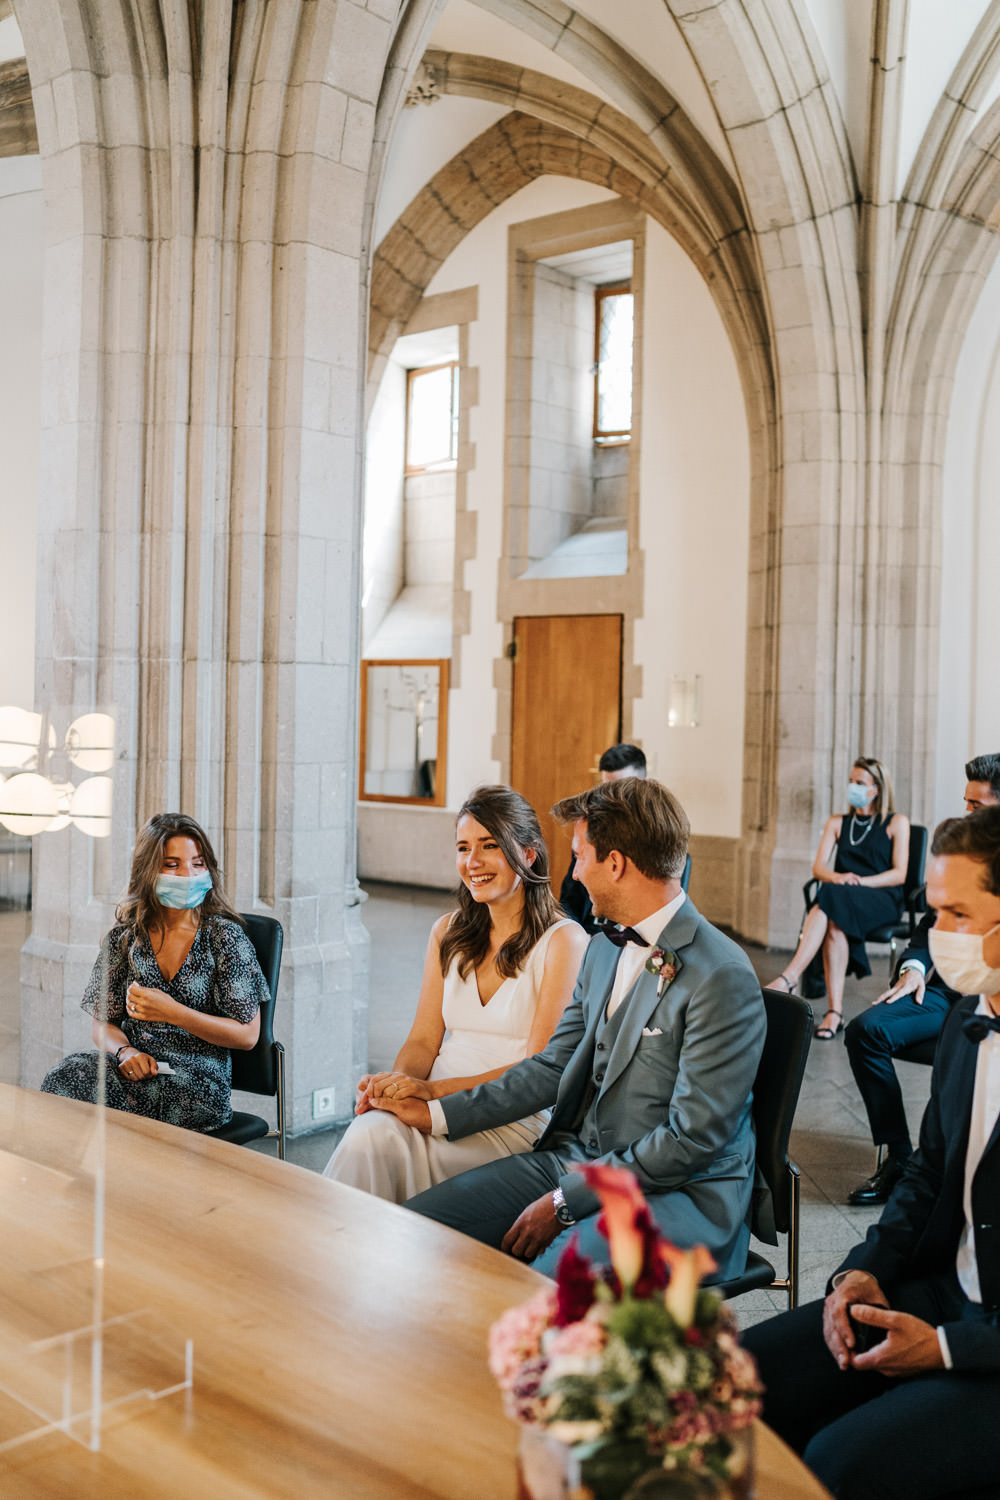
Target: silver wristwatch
561,1207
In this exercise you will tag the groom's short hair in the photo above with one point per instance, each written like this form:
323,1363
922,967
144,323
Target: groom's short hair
641,819
977,836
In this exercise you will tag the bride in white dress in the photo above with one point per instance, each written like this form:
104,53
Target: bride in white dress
498,974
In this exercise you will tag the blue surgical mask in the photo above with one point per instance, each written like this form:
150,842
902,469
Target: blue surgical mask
182,892
859,796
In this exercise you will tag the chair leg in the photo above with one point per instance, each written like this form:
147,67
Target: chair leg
280,1102
793,1246
789,1283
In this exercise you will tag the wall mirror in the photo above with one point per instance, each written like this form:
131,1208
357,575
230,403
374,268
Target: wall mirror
404,731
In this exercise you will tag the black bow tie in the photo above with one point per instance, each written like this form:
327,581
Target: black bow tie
621,935
976,1026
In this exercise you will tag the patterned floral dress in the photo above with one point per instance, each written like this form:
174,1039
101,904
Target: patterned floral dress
220,976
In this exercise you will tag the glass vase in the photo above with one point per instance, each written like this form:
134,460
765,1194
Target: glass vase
549,1470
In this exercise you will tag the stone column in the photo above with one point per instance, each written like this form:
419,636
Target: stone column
200,491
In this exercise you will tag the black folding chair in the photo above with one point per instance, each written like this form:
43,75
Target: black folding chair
914,904
894,932
775,1096
262,1069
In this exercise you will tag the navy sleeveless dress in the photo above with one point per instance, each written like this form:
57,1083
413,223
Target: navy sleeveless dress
863,848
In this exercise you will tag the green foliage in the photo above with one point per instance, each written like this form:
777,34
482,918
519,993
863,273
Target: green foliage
643,1325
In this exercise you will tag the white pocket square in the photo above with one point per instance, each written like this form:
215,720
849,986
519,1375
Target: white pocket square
652,1031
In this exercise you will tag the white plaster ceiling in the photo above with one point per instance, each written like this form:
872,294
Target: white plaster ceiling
597,265
937,34
11,43
429,135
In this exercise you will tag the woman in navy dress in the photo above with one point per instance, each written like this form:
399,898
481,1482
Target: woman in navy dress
861,866
176,985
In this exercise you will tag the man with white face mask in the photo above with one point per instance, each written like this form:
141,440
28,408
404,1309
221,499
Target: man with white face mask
912,1010
926,1281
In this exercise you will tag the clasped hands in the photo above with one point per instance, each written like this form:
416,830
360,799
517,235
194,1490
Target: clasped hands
909,1347
397,1094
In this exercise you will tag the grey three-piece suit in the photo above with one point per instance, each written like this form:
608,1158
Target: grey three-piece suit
663,1088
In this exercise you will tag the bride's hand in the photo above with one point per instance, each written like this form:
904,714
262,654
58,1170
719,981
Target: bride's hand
398,1086
411,1088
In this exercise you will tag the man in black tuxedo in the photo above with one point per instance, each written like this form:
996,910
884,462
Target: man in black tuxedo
616,762
912,1010
914,1416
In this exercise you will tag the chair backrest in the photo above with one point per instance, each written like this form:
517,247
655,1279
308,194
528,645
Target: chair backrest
256,1071
917,860
776,1091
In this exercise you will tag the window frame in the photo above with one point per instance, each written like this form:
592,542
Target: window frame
442,464
608,438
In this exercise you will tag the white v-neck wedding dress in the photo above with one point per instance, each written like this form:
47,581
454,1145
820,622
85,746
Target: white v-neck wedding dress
383,1156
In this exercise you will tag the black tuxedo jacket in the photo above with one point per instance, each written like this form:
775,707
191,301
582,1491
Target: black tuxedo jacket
918,1233
575,900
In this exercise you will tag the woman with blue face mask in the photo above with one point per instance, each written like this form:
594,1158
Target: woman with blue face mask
176,985
861,867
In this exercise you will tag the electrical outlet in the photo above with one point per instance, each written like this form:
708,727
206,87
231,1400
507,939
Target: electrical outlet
323,1104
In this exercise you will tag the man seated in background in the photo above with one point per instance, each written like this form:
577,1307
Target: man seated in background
651,1067
912,1010
617,762
911,1416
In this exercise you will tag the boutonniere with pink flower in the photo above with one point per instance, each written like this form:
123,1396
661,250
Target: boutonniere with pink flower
663,963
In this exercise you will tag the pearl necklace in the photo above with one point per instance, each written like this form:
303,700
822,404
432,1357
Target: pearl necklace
870,823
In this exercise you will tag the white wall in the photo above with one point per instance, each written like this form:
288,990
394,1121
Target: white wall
843,30
694,479
21,253
481,260
968,721
383,533
694,516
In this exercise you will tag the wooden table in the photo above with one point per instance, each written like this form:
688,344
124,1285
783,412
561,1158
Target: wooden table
339,1341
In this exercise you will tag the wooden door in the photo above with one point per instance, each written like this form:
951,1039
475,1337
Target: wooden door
566,712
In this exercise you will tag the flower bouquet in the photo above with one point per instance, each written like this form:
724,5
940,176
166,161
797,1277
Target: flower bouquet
629,1379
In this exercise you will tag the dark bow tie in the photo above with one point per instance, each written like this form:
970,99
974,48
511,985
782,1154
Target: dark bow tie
976,1027
622,935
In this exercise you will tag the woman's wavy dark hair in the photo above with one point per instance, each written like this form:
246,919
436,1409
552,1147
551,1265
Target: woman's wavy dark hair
139,909
512,822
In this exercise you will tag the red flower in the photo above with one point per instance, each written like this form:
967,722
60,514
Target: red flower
626,1223
574,1286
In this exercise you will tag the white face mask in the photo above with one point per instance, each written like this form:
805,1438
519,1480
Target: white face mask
958,958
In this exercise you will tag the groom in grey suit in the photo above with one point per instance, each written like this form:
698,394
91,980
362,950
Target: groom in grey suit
651,1067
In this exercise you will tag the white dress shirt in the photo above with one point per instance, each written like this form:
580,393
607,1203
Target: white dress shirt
632,958
985,1108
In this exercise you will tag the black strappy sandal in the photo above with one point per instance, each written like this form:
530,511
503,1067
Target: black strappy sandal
827,1033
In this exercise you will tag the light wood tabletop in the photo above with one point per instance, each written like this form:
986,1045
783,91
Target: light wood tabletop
339,1341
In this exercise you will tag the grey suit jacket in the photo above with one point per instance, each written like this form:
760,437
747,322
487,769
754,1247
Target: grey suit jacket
672,1106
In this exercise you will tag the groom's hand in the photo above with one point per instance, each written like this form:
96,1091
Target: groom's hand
411,1111
533,1231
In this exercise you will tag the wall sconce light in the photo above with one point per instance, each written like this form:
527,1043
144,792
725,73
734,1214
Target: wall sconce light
31,802
20,738
684,703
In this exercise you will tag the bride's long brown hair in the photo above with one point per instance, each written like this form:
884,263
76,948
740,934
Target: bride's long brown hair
511,820
139,909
